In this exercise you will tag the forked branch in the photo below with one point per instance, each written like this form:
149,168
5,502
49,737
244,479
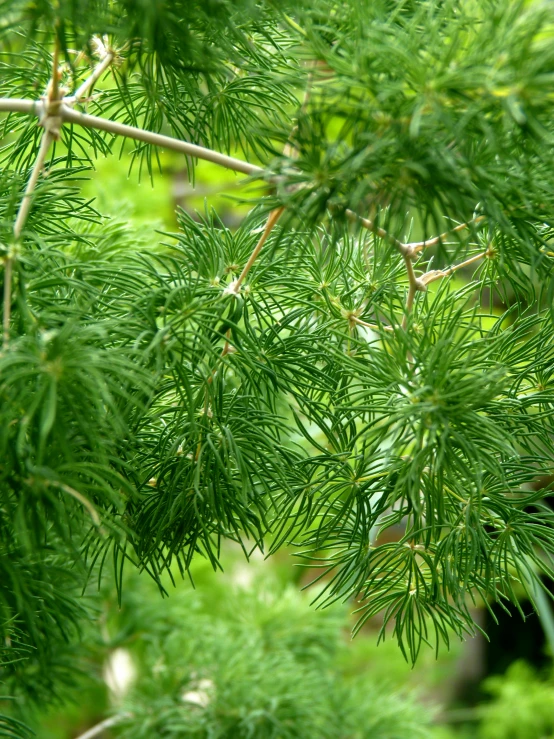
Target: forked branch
404,249
407,252
418,246
36,107
410,250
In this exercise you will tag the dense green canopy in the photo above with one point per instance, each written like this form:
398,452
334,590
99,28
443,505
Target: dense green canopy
344,391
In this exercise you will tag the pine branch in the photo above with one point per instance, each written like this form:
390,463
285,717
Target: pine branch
433,275
418,246
50,122
404,249
393,437
138,134
274,216
415,284
107,57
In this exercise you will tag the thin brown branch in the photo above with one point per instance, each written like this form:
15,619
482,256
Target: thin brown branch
404,249
7,301
372,326
415,284
418,246
37,107
81,92
438,274
85,502
25,205
19,224
271,221
157,139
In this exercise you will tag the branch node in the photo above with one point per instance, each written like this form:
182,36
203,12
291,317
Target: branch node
50,117
233,288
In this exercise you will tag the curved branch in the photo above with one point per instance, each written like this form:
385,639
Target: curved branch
271,221
404,249
157,139
36,107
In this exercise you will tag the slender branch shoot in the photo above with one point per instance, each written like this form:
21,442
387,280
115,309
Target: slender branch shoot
85,502
372,326
25,206
7,300
271,221
404,249
82,91
415,284
18,105
418,246
20,220
157,139
437,274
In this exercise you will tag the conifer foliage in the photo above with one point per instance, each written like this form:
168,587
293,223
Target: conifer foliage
320,375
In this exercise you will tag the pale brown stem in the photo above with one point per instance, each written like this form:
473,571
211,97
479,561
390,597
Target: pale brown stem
157,139
25,206
19,224
372,326
271,221
418,246
7,304
97,72
18,105
414,285
404,249
437,274
36,107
